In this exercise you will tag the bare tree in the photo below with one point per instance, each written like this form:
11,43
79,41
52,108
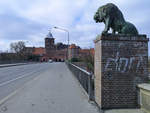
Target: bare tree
17,47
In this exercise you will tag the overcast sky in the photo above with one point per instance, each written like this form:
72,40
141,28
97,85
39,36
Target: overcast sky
30,20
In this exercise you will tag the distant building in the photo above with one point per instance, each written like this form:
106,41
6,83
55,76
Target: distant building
77,52
28,50
86,52
39,51
58,52
73,51
49,43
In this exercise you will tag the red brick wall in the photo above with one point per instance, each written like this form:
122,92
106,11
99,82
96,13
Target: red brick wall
121,62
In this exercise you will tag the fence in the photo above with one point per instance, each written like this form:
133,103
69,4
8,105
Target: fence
85,78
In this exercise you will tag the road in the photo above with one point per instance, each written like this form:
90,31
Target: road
55,90
12,78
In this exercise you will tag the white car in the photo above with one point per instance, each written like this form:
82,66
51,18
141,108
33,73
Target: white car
50,60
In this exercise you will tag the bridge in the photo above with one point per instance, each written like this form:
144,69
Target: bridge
56,87
42,88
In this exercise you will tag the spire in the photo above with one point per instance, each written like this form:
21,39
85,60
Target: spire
49,35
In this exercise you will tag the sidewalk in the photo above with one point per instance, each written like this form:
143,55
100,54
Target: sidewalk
54,91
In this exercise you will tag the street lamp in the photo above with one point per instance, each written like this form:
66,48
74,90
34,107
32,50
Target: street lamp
68,39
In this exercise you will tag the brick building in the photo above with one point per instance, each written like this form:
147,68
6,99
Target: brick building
39,51
73,51
77,52
57,52
86,52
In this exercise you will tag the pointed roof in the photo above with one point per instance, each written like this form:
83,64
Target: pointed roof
49,35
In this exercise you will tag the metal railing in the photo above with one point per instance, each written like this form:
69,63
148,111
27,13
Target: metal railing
85,79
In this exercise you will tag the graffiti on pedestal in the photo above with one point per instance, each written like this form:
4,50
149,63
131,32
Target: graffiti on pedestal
123,64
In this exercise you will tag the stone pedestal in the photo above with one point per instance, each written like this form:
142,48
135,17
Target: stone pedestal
121,62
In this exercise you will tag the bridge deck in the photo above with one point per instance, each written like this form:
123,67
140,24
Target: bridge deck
53,91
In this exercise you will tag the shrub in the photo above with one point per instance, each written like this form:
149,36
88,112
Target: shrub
75,60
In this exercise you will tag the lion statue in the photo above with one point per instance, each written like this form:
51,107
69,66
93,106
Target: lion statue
113,18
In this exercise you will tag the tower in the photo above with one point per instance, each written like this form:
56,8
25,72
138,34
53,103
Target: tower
49,43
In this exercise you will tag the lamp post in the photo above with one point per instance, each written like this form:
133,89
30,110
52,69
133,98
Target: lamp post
68,39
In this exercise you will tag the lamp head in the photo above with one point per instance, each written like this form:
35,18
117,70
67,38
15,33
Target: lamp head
56,27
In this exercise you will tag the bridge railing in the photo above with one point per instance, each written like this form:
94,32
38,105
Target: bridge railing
85,79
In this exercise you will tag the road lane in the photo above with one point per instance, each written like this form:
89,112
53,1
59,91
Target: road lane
14,72
55,90
12,78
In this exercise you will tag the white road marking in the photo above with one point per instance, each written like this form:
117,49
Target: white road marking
15,92
9,81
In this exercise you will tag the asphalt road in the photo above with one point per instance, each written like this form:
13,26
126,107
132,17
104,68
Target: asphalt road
55,90
12,78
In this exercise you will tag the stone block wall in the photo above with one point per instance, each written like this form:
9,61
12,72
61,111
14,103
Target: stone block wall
144,94
121,62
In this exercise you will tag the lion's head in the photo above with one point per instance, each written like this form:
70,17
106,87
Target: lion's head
108,10
99,15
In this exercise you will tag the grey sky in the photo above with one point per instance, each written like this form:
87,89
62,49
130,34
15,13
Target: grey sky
29,20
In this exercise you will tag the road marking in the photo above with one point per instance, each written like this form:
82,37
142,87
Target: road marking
7,97
17,90
2,101
7,82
